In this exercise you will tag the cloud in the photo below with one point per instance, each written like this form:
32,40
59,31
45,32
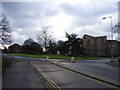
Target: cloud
18,38
27,18
87,17
24,14
90,9
87,14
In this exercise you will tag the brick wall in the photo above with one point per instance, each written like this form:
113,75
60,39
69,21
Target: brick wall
100,46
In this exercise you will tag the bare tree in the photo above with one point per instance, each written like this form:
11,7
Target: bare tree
5,31
44,37
116,30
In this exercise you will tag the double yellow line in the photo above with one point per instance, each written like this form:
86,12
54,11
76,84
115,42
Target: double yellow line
50,81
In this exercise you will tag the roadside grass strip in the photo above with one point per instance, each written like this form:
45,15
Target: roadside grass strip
63,57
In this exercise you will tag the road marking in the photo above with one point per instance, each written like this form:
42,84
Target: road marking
51,82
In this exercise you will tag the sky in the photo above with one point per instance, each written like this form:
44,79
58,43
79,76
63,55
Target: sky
27,18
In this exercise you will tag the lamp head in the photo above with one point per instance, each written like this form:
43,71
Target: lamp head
107,17
104,18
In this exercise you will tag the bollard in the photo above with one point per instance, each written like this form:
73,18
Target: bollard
47,57
72,59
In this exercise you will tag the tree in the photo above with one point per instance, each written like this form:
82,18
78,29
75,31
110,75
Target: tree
26,49
5,36
28,41
62,47
52,48
44,37
116,30
75,45
26,45
5,50
36,48
29,46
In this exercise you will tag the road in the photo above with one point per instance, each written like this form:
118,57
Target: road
67,79
22,75
100,70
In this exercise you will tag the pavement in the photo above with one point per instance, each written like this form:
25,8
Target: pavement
21,75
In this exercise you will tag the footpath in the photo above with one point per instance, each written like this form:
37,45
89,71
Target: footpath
21,75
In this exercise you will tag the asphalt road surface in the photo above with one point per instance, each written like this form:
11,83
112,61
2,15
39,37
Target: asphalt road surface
100,70
66,79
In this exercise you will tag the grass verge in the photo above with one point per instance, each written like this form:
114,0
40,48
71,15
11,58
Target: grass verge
54,57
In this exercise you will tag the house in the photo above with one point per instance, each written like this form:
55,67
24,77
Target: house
15,48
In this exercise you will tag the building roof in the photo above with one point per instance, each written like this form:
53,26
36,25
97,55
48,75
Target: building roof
112,41
94,37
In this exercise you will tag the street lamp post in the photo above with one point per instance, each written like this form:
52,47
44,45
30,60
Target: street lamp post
70,49
111,36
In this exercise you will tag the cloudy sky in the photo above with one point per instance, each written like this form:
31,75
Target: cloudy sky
73,16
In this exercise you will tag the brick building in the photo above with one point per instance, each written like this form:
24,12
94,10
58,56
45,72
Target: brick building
100,46
15,48
115,48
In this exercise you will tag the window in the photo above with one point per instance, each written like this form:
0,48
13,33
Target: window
99,41
84,37
92,41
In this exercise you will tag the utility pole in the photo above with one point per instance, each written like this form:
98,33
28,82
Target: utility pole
119,21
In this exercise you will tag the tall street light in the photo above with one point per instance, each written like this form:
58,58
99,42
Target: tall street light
111,36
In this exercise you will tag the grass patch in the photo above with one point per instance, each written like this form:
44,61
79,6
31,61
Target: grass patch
54,57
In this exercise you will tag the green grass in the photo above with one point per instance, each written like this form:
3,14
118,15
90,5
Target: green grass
54,57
